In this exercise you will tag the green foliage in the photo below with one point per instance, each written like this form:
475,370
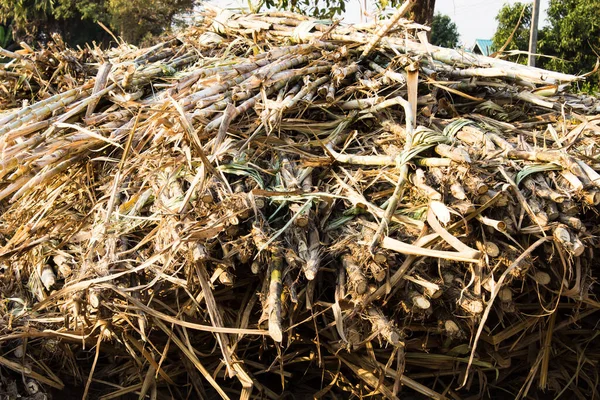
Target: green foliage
513,18
443,31
571,41
22,11
317,9
5,36
136,19
133,20
76,19
573,36
94,10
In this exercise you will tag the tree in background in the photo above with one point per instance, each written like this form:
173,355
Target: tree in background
75,20
317,9
443,31
514,24
5,36
570,42
133,21
573,36
421,12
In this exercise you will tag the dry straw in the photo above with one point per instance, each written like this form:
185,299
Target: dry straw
269,205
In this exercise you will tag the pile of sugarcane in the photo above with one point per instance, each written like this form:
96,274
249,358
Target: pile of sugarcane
272,206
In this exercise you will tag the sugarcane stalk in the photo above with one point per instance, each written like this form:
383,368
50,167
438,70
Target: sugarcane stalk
263,74
542,189
356,278
273,306
464,207
361,160
593,176
99,84
457,191
385,28
378,272
562,236
293,73
445,56
456,154
339,73
569,207
471,135
214,89
572,221
330,96
47,276
311,253
37,113
322,90
393,201
420,182
551,210
310,88
541,218
476,185
573,180
61,98
383,326
433,162
491,249
592,197
289,156
242,108
500,226
577,246
418,301
393,76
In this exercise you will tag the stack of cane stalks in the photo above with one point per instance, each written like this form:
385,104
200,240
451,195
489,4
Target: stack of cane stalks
272,206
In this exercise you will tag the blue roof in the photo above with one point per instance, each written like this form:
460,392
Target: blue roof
484,45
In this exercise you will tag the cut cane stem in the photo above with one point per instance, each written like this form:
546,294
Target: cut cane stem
383,326
457,191
274,298
572,222
356,279
551,210
419,182
500,226
456,154
384,29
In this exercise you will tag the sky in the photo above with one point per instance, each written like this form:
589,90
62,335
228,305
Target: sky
475,19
